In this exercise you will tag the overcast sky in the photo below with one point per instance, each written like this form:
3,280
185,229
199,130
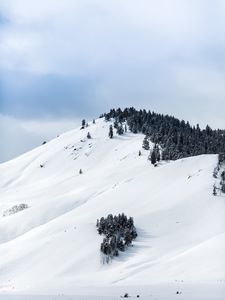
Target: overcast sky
65,60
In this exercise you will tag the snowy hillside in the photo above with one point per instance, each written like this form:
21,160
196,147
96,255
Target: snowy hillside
53,246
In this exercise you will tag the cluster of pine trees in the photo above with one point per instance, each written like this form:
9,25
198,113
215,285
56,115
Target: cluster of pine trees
177,139
119,232
155,153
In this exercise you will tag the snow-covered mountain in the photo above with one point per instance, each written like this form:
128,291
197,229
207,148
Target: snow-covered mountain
53,245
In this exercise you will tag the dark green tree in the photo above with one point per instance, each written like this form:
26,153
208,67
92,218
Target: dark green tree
145,144
153,157
120,129
83,124
110,132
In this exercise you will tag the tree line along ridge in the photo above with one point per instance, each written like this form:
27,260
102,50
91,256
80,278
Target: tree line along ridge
176,139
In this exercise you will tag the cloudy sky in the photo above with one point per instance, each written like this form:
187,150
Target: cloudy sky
65,60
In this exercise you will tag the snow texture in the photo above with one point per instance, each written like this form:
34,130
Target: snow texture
53,246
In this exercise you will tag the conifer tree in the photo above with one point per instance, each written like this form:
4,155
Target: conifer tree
110,132
157,152
153,157
83,124
214,190
119,130
145,144
115,124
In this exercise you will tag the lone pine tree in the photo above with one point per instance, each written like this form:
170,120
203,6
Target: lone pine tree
83,124
110,132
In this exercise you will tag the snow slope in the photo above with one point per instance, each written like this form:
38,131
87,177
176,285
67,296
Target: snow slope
53,245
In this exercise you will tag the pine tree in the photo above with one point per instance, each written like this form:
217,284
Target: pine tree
223,187
80,172
107,117
214,190
223,175
83,124
110,132
153,157
165,154
120,130
145,144
115,124
157,152
88,135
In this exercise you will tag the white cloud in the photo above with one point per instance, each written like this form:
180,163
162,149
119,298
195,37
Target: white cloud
88,36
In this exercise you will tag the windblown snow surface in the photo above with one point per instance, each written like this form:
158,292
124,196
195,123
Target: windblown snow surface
52,247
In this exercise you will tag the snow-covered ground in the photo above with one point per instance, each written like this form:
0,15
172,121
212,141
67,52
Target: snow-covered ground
52,246
152,292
